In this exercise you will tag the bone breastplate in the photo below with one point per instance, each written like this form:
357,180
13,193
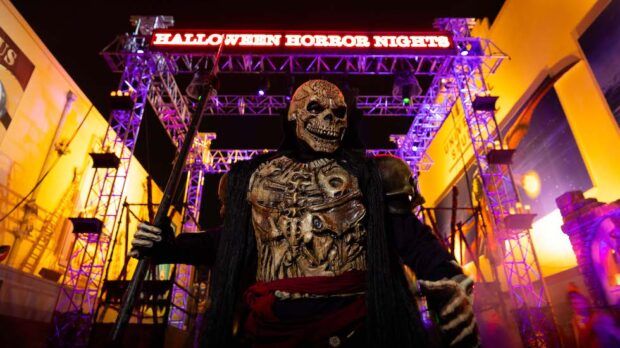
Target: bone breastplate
307,219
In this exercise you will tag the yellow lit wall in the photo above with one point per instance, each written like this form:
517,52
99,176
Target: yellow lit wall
540,37
24,146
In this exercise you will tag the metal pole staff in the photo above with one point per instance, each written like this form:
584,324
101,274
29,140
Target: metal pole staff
171,188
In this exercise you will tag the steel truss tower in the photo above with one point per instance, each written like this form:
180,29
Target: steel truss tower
455,76
179,311
270,105
81,282
173,110
145,77
520,263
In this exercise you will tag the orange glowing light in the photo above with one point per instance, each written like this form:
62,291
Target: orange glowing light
531,184
553,247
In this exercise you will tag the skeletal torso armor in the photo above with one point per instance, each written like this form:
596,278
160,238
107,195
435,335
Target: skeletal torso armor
307,219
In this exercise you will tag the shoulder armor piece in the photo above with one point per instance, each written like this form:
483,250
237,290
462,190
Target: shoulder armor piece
222,186
398,184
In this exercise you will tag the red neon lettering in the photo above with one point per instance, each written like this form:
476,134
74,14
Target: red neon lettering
380,41
431,41
417,41
161,38
307,40
385,41
392,41
334,40
292,40
177,39
402,41
273,40
443,41
327,40
321,41
246,40
362,41
259,40
348,41
295,40
232,39
214,39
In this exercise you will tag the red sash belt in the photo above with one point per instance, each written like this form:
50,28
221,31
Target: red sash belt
264,326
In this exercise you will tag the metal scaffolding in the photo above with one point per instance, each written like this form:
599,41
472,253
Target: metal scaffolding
520,263
220,160
272,105
150,75
196,170
352,64
81,283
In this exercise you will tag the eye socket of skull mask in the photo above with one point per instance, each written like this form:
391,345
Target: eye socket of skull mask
319,109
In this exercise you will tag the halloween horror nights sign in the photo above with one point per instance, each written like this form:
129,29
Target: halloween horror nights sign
394,43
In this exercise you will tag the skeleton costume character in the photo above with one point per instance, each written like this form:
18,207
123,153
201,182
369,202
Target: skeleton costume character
314,242
307,216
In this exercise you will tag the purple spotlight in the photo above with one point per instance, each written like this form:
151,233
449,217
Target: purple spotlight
261,92
288,98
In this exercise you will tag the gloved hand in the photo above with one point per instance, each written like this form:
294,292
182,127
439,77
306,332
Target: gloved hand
149,240
451,300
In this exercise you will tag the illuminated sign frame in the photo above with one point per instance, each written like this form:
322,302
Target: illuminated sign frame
341,42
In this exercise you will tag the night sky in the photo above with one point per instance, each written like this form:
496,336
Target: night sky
76,31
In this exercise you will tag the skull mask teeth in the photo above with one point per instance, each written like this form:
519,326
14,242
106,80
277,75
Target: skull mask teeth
320,112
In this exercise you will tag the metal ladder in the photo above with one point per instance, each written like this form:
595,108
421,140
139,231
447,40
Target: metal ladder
39,244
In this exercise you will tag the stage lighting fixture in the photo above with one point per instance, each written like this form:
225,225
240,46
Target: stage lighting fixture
484,103
86,225
241,106
199,82
291,88
531,184
519,221
263,86
406,94
500,156
120,100
406,86
107,160
50,274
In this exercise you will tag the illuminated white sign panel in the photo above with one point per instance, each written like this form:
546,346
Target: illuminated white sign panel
198,38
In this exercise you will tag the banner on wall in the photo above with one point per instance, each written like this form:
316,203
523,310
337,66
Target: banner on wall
602,49
15,72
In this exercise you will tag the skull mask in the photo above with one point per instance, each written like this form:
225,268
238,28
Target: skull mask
320,112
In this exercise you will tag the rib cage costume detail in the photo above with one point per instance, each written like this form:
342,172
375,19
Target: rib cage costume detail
307,219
